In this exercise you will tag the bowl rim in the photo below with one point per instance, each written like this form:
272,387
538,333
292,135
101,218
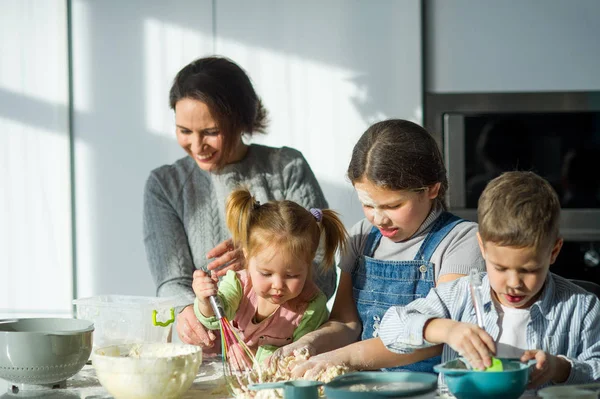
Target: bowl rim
440,368
88,326
125,359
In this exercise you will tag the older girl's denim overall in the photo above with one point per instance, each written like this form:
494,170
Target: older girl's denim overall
379,284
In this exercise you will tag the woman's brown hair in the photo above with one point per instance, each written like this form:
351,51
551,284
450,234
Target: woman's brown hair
255,226
228,93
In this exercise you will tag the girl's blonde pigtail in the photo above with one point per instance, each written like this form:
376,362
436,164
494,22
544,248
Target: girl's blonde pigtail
335,236
238,213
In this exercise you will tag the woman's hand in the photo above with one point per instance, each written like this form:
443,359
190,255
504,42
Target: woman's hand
226,257
548,368
191,331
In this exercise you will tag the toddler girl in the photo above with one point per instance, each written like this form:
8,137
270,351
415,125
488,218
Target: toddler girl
274,302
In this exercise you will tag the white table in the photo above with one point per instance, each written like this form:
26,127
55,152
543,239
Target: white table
209,384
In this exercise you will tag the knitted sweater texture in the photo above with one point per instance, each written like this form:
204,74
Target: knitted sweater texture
184,210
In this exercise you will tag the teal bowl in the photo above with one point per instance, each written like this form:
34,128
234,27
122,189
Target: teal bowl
465,383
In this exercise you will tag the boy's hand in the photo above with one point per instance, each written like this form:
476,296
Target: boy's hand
471,342
203,286
548,368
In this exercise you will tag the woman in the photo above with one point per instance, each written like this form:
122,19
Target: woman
184,222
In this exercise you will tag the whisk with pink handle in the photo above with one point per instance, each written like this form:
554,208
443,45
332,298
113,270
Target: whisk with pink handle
239,364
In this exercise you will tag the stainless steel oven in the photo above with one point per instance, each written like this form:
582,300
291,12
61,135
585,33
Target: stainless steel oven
555,134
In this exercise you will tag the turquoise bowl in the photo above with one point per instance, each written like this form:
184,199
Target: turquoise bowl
465,383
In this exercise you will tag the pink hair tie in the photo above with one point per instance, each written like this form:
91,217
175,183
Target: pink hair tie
317,213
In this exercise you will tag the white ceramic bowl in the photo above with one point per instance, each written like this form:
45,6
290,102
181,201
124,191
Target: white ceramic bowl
147,371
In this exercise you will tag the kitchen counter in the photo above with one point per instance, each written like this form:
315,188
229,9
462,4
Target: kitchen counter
209,384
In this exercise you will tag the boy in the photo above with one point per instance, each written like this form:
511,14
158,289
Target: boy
529,313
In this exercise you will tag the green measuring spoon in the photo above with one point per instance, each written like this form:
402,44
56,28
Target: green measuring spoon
475,287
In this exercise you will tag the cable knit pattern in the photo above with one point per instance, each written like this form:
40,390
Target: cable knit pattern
184,210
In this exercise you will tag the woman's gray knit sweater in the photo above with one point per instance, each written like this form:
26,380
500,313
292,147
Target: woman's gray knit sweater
184,210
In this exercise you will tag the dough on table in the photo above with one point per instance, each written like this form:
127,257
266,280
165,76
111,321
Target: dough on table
282,373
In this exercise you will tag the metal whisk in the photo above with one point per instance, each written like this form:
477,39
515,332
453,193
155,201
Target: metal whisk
239,364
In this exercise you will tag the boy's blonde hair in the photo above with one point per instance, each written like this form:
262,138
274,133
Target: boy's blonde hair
255,226
519,209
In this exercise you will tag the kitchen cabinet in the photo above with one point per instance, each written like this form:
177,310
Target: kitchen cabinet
512,46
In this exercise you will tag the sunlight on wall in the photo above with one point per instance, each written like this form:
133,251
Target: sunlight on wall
35,209
313,108
312,104
33,50
125,57
167,48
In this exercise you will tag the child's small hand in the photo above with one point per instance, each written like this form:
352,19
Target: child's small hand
472,343
312,368
203,286
281,356
548,368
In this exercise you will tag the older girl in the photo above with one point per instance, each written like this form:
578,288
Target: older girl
407,244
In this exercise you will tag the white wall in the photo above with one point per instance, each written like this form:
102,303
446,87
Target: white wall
35,189
512,45
126,54
325,70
